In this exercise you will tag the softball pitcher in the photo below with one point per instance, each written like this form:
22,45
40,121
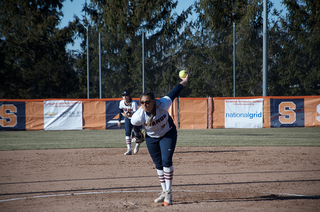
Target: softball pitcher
161,135
127,107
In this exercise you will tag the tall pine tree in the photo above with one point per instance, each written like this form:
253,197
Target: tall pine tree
34,61
121,24
211,62
295,49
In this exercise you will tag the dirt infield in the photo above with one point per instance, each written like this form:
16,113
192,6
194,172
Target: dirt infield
205,179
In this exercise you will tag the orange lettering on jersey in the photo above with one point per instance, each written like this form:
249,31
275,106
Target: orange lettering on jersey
286,109
8,119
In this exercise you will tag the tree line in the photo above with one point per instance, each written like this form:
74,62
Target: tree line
35,62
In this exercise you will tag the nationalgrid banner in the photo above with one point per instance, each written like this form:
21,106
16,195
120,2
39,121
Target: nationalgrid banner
62,115
243,113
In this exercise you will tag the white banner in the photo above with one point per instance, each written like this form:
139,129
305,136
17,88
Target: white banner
62,115
243,113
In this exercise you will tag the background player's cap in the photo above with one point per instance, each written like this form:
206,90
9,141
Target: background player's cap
126,93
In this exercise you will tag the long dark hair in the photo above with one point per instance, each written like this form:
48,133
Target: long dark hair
153,113
130,100
149,94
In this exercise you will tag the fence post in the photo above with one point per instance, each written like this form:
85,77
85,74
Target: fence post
265,48
234,59
142,62
100,89
210,111
88,61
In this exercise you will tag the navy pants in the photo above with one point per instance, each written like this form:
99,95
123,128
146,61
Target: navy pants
161,149
128,126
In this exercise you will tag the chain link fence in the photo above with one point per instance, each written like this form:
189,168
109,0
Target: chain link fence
134,63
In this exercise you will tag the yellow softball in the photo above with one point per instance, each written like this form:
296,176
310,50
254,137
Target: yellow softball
182,73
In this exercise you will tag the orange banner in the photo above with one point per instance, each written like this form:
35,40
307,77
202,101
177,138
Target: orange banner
193,113
218,113
94,115
34,116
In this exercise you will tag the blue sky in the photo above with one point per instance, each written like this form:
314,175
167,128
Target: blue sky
70,9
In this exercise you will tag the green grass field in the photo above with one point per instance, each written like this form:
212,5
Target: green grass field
23,140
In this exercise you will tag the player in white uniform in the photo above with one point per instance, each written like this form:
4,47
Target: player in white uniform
161,135
127,107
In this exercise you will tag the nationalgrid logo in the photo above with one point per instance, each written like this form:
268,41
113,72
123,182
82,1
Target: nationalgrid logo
244,115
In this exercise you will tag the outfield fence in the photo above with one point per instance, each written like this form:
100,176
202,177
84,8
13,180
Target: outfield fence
187,113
